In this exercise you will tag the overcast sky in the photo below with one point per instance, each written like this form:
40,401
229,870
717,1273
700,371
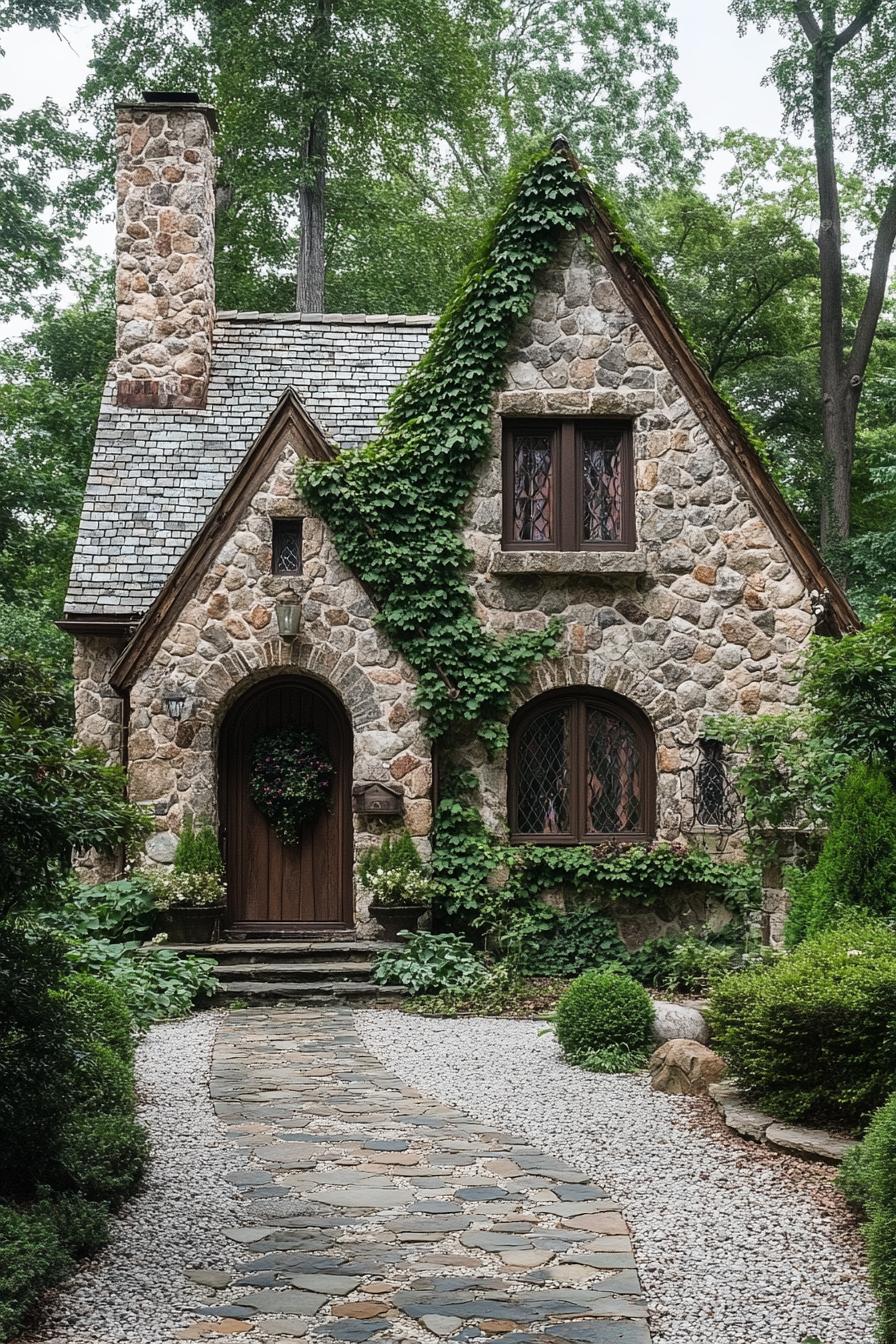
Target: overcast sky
721,73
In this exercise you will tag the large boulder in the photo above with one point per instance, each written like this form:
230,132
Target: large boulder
678,1022
684,1068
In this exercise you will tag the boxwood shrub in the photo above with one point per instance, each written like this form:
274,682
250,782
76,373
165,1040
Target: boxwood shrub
868,1178
102,1013
101,1156
32,1258
812,1036
600,1009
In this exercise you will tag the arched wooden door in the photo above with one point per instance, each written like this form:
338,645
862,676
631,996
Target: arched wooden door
274,888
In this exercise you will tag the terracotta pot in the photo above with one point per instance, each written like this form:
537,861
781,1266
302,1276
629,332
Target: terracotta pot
192,923
395,919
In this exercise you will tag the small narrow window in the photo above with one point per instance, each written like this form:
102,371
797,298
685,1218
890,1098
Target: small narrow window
713,793
286,546
568,485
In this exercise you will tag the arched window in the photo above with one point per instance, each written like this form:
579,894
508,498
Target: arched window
581,770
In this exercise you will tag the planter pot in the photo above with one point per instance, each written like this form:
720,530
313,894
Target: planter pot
395,919
192,923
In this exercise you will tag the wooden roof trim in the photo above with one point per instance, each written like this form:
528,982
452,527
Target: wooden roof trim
289,420
90,623
661,329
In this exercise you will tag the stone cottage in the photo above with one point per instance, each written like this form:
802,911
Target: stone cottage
620,496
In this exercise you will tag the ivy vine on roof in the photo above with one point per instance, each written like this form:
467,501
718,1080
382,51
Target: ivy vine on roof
395,507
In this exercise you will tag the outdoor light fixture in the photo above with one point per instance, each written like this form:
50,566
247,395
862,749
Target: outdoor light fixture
174,703
289,616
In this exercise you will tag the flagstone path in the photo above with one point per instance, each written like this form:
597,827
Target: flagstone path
371,1212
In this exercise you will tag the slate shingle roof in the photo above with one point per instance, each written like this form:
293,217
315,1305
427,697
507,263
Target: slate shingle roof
155,474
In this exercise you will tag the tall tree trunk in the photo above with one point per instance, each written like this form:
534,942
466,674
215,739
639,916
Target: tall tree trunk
838,427
313,218
313,185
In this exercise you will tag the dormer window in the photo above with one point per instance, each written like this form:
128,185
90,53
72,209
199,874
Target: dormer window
568,485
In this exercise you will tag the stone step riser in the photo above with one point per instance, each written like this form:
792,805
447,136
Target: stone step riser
260,971
274,991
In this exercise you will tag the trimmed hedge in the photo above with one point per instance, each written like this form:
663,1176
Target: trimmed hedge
32,1259
601,1009
102,1013
813,1035
102,1156
868,1178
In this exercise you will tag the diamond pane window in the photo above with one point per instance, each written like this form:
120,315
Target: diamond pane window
568,485
581,769
543,806
614,774
532,487
601,486
286,546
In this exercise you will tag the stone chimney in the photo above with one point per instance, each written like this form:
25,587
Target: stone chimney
165,280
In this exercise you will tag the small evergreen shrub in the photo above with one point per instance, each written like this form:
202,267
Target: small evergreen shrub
103,1014
102,1156
857,865
813,1035
32,1259
101,1083
197,851
82,1224
601,1009
868,1179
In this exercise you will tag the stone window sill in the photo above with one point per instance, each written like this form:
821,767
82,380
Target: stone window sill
569,562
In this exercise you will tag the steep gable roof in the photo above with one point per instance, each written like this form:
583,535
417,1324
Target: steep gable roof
651,311
156,474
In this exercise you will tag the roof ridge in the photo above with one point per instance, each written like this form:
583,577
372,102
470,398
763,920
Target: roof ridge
327,319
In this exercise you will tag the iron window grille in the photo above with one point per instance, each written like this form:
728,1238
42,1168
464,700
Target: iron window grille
286,546
581,770
568,485
715,801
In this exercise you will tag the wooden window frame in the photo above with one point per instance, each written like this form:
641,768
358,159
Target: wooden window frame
567,502
278,527
577,703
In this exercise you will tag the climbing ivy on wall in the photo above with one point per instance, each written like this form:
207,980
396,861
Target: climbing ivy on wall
395,507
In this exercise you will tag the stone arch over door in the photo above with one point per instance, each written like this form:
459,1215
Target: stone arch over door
275,889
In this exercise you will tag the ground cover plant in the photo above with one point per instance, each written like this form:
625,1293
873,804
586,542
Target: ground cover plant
812,1035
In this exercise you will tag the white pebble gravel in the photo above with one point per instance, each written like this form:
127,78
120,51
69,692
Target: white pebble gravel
735,1245
134,1290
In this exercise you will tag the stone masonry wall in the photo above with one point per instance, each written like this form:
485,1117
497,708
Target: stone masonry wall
98,710
165,283
226,638
707,615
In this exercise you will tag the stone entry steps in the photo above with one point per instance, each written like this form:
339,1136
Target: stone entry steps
307,971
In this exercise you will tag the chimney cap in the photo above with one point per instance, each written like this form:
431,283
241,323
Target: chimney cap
169,96
158,98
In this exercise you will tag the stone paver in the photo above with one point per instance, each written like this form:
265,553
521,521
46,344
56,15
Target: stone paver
371,1212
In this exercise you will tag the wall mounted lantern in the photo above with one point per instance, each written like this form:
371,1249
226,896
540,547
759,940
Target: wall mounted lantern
289,617
174,703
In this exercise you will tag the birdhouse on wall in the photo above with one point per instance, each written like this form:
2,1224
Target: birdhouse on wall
377,800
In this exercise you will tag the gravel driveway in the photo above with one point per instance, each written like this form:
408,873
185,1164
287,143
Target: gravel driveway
735,1245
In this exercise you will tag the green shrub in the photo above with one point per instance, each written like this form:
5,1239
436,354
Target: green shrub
101,1156
102,1013
38,1032
101,1083
695,964
32,1259
545,942
197,851
82,1224
813,1035
431,963
600,1009
857,865
868,1178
